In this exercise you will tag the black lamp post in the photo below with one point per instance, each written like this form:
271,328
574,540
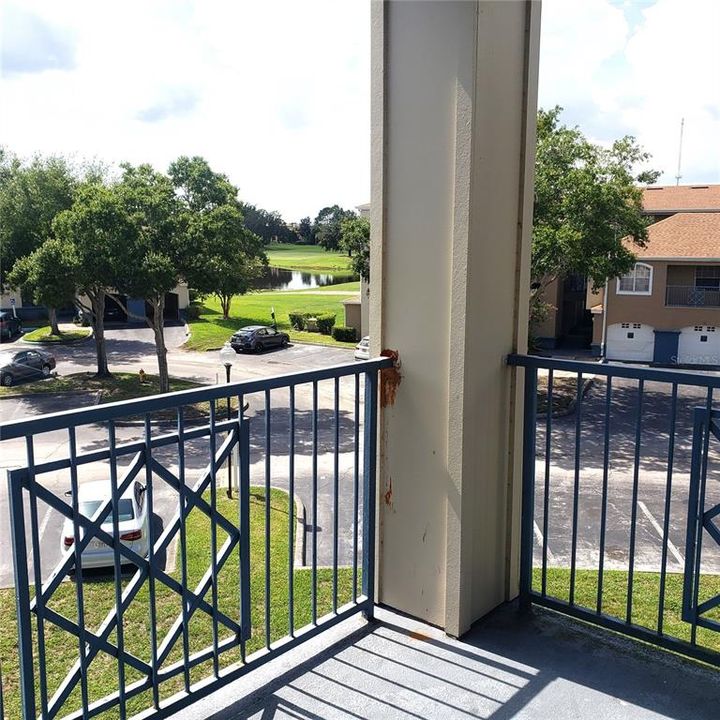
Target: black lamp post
227,357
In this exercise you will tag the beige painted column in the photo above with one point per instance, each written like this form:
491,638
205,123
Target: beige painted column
454,94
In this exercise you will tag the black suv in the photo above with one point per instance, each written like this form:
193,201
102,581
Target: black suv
25,365
10,326
258,338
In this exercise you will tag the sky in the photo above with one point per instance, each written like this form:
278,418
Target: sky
276,93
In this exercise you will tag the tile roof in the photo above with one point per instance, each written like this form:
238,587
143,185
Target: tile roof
693,235
676,198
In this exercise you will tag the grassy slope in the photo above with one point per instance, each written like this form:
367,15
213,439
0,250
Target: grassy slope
305,257
62,649
210,331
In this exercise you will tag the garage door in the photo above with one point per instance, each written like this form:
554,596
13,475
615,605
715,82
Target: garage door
630,341
699,345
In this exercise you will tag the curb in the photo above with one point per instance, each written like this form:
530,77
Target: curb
62,393
35,343
570,409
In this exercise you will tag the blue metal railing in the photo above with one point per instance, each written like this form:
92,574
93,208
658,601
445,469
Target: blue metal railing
621,494
202,644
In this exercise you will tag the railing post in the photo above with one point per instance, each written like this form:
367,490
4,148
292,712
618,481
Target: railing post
244,494
369,491
528,485
22,595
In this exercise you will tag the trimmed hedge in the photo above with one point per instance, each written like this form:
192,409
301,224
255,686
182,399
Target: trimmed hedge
344,334
192,312
298,319
325,323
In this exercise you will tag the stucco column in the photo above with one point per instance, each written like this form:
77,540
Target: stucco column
454,94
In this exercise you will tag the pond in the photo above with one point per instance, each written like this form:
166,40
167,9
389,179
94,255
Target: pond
280,279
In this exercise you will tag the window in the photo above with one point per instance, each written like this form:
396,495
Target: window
707,277
698,328
625,325
637,282
637,326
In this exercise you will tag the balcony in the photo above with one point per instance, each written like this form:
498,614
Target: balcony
691,296
262,558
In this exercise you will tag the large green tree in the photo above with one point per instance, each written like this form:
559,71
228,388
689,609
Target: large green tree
31,195
327,226
49,276
96,226
587,199
355,240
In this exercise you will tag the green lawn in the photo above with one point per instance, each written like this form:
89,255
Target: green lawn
43,335
210,331
62,649
305,257
646,592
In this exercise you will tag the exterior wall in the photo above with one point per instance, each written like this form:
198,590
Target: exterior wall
681,275
7,297
651,310
454,98
353,315
364,308
183,293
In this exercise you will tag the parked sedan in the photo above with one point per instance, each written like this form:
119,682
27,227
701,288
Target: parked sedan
133,522
257,338
25,365
10,326
362,349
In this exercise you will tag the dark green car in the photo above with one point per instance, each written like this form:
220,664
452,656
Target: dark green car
25,365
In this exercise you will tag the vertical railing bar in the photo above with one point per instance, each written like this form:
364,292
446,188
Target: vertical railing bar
244,524
356,486
149,492
268,449
313,589
2,702
22,599
79,587
633,513
336,491
117,567
291,515
576,486
701,512
604,495
242,460
666,514
37,572
369,491
527,519
182,509
213,539
546,487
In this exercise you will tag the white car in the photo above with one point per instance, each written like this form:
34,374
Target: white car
362,349
133,523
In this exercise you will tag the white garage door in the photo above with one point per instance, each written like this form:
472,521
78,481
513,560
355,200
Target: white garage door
630,341
699,345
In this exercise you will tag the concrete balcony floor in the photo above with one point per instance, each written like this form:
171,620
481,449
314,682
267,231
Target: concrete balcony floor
539,665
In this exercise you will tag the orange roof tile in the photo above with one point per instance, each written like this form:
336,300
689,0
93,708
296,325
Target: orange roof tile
676,198
685,235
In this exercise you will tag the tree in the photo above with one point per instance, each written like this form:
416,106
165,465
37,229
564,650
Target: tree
199,186
152,260
96,226
355,240
31,195
268,225
227,256
305,231
48,275
587,199
327,226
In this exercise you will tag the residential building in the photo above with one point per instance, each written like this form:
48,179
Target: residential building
667,308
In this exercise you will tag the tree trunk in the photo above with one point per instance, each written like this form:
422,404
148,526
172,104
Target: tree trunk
98,325
157,324
52,316
225,301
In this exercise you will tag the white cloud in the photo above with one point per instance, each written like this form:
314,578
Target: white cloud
637,68
275,94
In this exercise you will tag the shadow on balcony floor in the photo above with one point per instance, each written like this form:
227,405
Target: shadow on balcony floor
509,666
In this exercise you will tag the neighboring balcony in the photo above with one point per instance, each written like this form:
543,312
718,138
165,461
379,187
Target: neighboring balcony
691,296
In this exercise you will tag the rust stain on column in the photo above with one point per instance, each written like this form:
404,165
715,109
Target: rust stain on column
389,379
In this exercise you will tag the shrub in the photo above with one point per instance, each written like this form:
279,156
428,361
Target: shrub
344,334
325,323
297,319
192,312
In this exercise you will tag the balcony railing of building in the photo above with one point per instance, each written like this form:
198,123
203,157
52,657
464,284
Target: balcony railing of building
220,586
621,499
691,296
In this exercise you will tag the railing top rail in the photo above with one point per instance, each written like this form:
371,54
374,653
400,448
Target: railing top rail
633,372
112,411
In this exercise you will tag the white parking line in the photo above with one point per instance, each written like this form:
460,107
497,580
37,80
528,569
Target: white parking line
675,552
539,538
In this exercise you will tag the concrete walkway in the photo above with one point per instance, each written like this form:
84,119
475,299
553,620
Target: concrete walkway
535,666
